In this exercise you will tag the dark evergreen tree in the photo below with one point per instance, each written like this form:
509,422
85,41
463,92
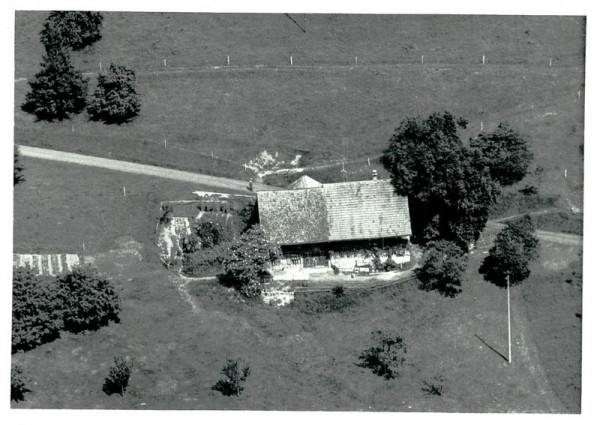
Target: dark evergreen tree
71,29
89,301
58,90
514,247
115,100
36,314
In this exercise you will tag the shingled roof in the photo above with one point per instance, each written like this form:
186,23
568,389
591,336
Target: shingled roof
334,212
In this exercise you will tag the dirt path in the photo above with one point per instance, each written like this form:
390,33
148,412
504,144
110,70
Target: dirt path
563,238
134,168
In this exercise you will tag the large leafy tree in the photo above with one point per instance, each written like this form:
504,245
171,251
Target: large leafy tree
443,264
514,247
71,29
115,100
248,261
452,185
448,185
57,90
506,154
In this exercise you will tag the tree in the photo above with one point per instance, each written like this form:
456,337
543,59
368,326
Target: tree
18,167
118,377
385,356
449,190
506,154
36,316
235,374
18,388
514,247
89,301
443,265
58,90
451,185
71,29
249,259
115,100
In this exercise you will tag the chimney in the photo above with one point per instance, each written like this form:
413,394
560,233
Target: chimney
374,174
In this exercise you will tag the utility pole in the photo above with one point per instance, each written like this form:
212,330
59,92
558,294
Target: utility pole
508,307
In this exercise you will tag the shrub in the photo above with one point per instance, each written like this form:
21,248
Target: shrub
338,291
204,262
115,100
89,300
58,90
235,374
442,269
385,357
167,214
36,317
17,385
118,377
75,30
435,386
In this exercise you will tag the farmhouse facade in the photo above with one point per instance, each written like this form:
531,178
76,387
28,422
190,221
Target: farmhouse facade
336,223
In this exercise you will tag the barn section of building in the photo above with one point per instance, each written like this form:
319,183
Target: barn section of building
310,220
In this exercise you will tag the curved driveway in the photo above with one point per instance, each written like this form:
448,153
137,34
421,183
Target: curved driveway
132,167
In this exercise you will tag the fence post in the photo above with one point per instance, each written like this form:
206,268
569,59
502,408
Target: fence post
291,60
483,60
165,62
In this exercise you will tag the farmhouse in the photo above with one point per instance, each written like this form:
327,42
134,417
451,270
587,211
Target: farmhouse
350,226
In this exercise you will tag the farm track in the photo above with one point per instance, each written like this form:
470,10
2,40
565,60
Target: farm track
134,168
562,238
258,67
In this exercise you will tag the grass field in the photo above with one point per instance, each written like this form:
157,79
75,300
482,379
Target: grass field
62,206
329,113
301,361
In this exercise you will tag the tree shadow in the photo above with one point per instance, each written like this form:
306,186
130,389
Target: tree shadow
490,347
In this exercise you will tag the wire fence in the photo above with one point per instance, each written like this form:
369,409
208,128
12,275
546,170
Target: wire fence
192,62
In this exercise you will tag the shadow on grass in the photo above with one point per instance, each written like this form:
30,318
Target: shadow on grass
490,347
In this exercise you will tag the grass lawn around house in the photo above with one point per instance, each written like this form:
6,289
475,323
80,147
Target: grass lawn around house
60,206
303,361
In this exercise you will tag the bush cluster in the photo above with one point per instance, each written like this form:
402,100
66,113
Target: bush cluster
43,307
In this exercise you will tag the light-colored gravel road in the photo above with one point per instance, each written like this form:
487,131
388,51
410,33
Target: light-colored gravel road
131,167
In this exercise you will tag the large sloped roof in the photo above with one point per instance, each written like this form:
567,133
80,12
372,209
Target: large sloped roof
334,212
